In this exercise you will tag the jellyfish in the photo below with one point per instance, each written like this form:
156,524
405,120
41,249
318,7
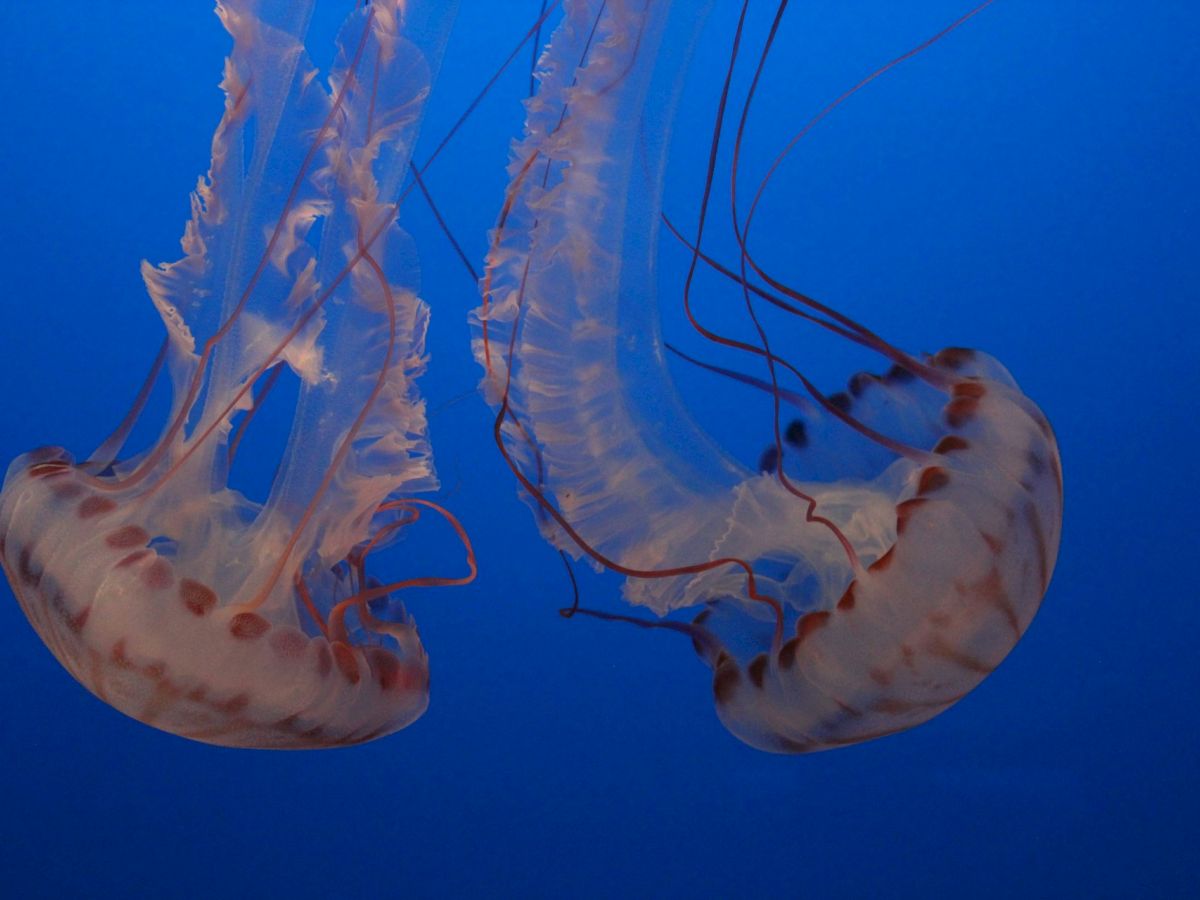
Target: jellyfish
896,538
175,598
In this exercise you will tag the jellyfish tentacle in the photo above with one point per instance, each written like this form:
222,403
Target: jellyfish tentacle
106,454
309,605
742,230
531,33
812,516
772,298
790,397
260,398
361,599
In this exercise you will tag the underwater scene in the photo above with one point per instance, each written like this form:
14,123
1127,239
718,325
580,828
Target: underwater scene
623,447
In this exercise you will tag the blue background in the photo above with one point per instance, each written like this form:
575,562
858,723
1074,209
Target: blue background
1028,186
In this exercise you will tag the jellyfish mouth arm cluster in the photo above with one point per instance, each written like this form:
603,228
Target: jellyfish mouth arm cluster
175,598
899,537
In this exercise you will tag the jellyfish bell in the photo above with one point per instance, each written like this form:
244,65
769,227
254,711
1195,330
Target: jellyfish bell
172,596
897,538
144,602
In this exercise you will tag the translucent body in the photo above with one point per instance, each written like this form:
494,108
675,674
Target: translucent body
952,544
169,595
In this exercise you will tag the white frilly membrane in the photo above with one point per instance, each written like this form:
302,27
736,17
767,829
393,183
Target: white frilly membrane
954,544
292,256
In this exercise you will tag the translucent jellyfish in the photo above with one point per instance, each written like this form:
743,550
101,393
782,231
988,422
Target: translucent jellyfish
898,536
173,597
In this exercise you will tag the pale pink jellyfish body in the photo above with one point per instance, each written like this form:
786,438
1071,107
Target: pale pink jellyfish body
171,596
897,538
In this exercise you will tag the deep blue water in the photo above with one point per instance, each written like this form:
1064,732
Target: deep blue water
1028,186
